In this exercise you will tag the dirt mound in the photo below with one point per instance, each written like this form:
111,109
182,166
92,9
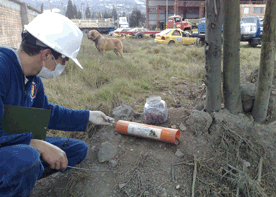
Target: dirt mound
233,157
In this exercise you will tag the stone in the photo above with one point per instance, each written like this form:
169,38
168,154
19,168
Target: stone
199,121
146,193
93,148
113,163
164,193
122,185
179,154
182,127
247,95
106,152
122,112
173,126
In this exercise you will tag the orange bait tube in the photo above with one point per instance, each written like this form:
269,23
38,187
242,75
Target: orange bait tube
148,131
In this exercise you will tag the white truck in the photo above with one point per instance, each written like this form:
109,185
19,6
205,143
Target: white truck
123,22
101,25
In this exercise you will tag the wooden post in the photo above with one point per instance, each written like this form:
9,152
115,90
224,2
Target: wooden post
266,70
214,18
24,15
231,57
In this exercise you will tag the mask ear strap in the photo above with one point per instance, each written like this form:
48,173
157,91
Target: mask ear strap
55,59
43,63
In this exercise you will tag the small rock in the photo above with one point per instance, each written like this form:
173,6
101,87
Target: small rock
273,92
199,107
173,126
177,187
179,154
123,111
107,152
199,121
246,164
93,148
122,185
49,190
164,193
131,150
113,163
146,193
182,127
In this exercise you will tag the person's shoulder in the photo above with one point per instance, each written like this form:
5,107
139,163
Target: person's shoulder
4,57
7,50
7,53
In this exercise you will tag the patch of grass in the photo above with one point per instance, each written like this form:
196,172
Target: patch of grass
111,81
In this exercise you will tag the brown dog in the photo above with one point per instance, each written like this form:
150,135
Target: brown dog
106,44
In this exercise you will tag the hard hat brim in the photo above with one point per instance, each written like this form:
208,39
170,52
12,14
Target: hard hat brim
78,63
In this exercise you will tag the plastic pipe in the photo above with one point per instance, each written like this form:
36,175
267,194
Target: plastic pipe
148,131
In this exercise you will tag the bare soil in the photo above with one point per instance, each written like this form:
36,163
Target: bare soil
144,165
209,166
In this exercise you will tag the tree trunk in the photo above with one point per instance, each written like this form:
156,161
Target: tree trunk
231,57
214,17
266,69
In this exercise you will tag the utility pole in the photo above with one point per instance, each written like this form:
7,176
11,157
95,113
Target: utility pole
50,5
166,13
62,8
82,11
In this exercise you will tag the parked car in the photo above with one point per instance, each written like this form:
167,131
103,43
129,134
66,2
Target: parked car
111,33
140,33
175,36
117,33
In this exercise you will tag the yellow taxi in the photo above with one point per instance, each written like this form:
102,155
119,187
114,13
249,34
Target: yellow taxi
174,36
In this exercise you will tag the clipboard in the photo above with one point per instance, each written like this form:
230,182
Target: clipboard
18,119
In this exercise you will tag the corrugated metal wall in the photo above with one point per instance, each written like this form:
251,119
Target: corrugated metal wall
152,5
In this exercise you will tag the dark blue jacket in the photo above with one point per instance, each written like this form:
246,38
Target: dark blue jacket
14,91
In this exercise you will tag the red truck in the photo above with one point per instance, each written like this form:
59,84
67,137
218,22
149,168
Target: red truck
176,22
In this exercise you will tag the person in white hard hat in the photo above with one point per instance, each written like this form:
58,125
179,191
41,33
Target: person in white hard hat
47,43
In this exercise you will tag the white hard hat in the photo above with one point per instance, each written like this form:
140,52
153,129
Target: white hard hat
57,32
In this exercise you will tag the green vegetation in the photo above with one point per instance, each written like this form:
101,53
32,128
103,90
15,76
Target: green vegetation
146,69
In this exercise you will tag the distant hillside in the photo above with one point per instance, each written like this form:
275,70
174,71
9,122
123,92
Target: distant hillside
95,5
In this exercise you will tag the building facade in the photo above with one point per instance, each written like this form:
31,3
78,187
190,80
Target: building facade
158,11
252,9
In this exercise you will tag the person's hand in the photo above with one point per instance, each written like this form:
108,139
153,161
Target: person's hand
51,154
99,118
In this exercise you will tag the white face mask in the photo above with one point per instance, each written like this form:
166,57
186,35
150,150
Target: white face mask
48,74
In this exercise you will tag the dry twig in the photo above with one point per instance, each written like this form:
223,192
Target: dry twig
260,170
136,164
249,181
194,178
